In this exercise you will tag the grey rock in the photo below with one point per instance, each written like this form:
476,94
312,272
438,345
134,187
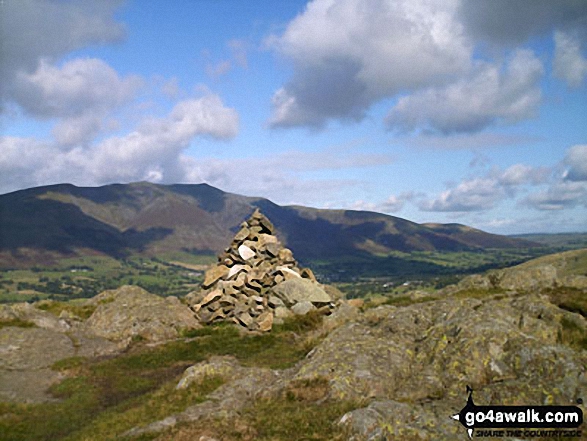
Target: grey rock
302,308
131,311
300,290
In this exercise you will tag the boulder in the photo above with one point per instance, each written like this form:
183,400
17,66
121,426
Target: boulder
130,311
302,308
300,290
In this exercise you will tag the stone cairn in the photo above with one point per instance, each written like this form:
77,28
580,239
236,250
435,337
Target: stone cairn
257,282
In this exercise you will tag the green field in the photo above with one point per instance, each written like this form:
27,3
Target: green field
178,274
87,276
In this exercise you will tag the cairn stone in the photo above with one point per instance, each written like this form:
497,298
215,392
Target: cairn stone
252,283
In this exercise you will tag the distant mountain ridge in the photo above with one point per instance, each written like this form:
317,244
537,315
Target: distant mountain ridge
149,219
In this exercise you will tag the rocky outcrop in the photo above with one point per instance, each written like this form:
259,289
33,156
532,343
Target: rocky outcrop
27,354
551,271
131,312
26,312
415,362
243,386
257,282
410,366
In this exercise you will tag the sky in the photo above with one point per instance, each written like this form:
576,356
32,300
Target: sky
466,111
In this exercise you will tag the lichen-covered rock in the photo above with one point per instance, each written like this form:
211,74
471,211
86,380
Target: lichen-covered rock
392,420
27,312
131,311
416,361
358,363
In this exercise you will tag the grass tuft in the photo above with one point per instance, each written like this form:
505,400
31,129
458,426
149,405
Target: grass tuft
18,323
573,335
78,310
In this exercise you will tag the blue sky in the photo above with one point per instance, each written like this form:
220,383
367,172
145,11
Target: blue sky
456,111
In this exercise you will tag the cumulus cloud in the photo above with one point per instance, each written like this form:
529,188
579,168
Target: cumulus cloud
569,63
238,57
396,203
484,193
506,22
81,93
36,29
283,177
477,194
80,84
490,93
520,174
283,185
463,140
576,161
151,152
560,196
349,53
157,143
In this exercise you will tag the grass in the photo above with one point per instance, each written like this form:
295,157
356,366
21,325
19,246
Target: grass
571,299
79,310
102,398
153,406
407,300
573,335
478,293
19,323
302,413
89,275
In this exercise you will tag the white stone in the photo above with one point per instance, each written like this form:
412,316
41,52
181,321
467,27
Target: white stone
245,252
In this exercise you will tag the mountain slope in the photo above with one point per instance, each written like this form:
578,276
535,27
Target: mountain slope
144,218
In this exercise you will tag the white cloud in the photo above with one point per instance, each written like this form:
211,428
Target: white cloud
260,177
347,54
396,203
490,93
286,177
506,22
477,194
238,57
158,142
152,152
486,192
36,29
79,85
362,205
81,93
576,161
569,63
520,174
560,196
468,141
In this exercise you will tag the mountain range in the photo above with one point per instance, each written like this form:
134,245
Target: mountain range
40,224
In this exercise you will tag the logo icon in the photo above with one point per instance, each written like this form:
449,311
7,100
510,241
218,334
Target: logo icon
517,417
